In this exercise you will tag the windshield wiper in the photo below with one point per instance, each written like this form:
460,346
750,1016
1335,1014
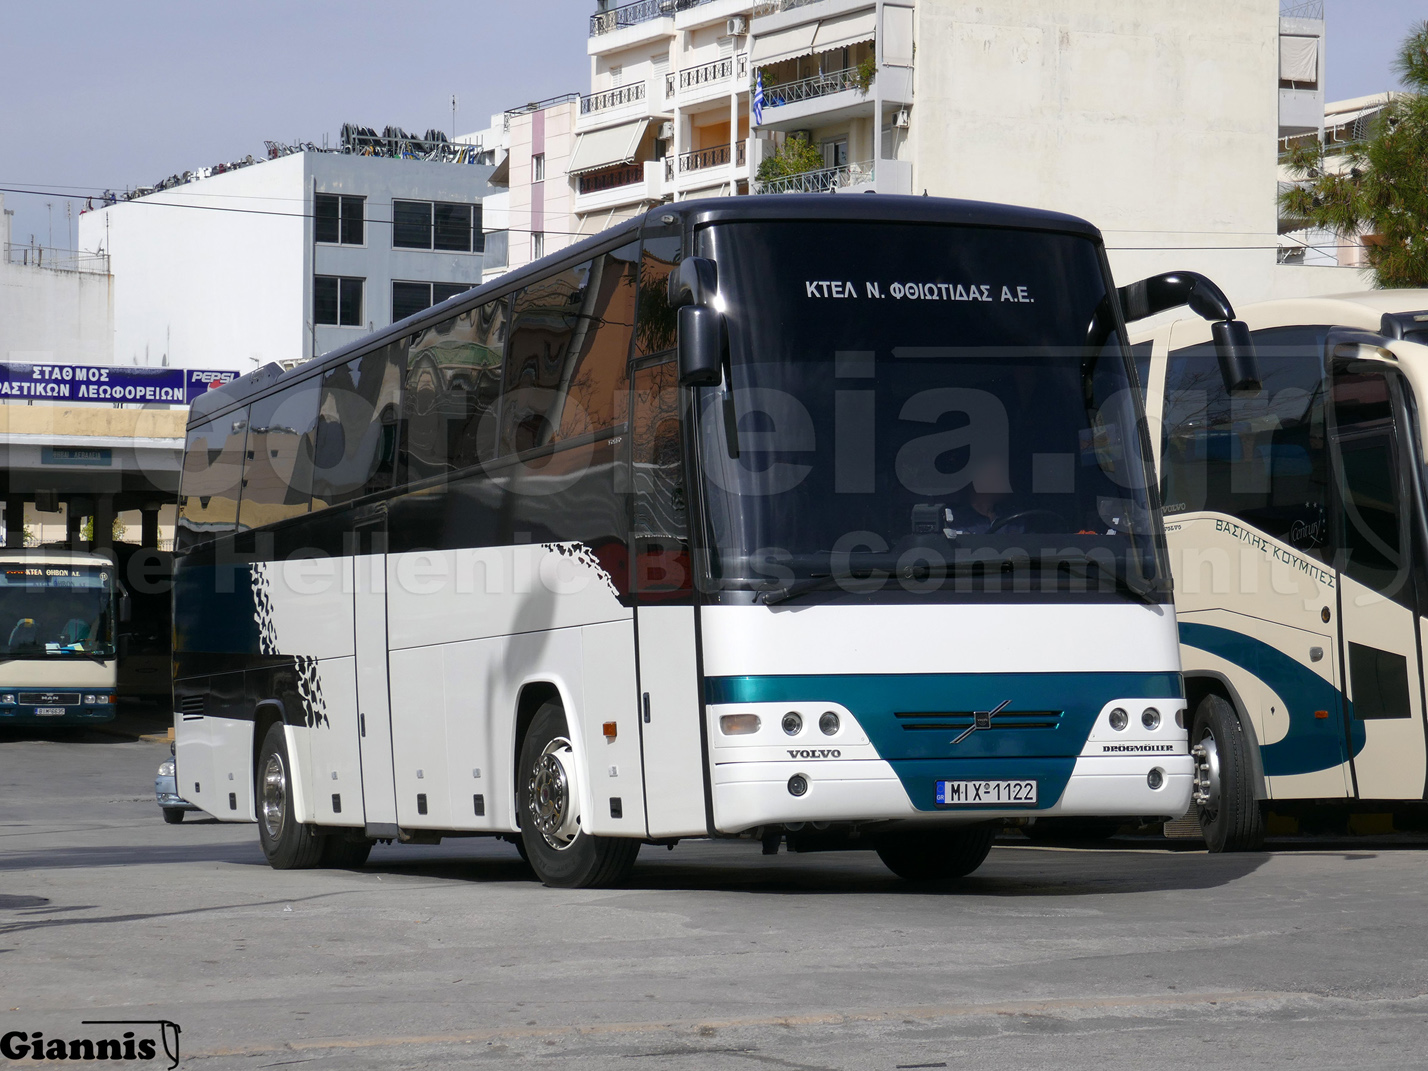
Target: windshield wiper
818,582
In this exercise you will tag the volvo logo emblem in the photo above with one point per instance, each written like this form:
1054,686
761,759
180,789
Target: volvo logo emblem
982,719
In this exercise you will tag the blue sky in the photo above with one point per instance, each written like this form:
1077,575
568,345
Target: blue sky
95,95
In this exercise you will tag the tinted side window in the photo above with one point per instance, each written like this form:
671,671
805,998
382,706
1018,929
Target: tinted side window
212,478
1370,533
355,443
659,535
1260,457
594,391
277,471
452,385
656,329
544,321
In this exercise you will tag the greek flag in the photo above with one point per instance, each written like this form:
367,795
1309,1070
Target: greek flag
758,98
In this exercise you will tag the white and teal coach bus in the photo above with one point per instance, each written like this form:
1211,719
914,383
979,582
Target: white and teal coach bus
815,520
1298,535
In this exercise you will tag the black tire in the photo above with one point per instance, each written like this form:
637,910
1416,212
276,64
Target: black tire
564,857
1233,820
933,855
341,853
1070,830
173,815
288,844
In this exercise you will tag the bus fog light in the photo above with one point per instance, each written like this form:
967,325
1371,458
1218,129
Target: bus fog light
828,724
1155,778
797,785
1150,718
792,722
738,724
1119,719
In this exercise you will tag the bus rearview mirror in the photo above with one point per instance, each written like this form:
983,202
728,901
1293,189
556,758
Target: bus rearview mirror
126,608
701,346
1235,351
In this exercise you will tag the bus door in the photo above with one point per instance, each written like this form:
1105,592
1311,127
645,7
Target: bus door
662,579
1379,641
374,714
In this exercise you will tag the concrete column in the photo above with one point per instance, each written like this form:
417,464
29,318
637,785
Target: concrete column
14,522
104,521
149,527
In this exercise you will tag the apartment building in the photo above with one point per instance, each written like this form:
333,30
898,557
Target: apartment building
286,258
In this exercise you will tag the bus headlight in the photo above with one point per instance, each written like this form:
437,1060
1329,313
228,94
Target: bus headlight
1150,718
828,723
792,722
7,699
89,700
1119,719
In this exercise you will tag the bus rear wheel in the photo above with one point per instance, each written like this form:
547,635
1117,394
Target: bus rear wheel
932,855
1230,816
288,843
562,854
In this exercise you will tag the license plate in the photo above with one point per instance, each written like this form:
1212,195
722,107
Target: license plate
49,712
986,793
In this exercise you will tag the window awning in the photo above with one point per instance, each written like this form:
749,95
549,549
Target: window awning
783,44
1298,58
845,30
615,145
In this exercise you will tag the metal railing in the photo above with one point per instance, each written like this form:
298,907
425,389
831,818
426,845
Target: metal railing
617,18
39,256
719,70
773,7
627,175
714,156
820,85
612,98
824,179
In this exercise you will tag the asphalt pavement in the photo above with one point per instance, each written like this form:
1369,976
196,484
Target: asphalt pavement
1135,954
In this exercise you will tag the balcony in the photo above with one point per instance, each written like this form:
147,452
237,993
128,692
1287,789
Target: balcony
608,99
598,181
618,186
618,18
824,180
820,85
714,156
773,7
693,81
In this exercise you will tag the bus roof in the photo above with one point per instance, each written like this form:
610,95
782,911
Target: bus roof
876,208
1364,310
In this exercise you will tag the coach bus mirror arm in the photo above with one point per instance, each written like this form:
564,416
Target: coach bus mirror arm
693,282
1233,347
126,607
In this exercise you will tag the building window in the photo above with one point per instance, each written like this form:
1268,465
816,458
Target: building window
538,167
408,299
336,301
537,244
339,219
440,225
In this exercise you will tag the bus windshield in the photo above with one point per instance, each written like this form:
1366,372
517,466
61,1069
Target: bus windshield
922,402
56,611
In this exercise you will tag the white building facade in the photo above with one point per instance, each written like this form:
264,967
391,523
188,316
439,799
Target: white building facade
286,259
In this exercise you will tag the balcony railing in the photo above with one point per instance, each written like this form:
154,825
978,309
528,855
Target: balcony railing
617,18
714,156
773,7
820,85
597,181
820,181
720,70
612,98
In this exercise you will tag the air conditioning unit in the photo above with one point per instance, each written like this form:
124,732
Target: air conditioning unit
902,120
737,26
666,130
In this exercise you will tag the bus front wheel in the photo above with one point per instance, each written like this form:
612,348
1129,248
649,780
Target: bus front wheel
288,843
931,855
1230,816
562,854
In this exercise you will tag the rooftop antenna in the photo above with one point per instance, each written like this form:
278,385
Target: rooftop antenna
453,117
